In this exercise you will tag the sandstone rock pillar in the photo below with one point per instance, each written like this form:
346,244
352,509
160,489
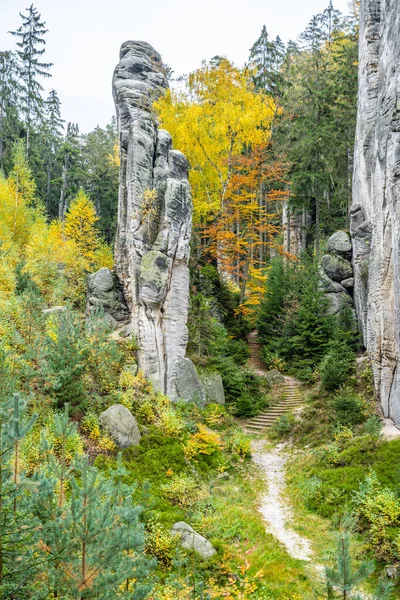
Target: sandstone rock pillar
375,211
154,218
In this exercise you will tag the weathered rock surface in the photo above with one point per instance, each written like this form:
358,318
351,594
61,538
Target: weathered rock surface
336,267
187,383
348,284
121,425
213,387
191,540
337,301
105,292
375,212
340,243
154,218
327,285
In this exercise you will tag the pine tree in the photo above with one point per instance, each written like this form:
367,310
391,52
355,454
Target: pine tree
31,41
18,526
64,357
342,579
95,542
100,175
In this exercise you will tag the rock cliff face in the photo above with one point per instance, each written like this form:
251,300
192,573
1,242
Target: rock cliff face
375,212
154,218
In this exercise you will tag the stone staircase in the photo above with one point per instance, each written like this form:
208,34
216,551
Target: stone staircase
293,398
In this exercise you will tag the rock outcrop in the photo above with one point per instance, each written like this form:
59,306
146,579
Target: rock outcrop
336,272
105,293
375,211
154,218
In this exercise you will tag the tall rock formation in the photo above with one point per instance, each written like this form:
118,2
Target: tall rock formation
375,212
154,218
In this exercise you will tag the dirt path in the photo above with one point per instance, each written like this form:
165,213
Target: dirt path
275,510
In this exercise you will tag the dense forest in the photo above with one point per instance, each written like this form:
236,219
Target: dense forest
174,513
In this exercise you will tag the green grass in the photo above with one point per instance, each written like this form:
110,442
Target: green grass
226,513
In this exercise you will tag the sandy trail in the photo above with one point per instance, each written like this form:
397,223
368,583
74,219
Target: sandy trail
275,510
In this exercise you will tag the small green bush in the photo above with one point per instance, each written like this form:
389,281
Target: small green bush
349,407
337,365
181,490
248,405
283,426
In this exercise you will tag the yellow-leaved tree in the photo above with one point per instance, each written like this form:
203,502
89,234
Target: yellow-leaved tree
223,125
80,225
218,117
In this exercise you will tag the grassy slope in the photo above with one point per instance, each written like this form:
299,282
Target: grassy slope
226,513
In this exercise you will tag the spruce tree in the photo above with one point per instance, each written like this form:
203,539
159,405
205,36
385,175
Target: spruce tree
71,175
30,42
52,133
9,93
266,57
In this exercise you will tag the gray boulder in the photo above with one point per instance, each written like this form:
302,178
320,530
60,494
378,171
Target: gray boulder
337,301
327,285
336,267
54,310
121,425
274,377
348,284
213,387
188,386
191,540
339,243
105,292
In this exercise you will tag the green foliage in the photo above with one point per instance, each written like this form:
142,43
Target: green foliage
350,408
337,365
181,490
378,511
293,323
344,577
18,524
373,426
65,359
283,426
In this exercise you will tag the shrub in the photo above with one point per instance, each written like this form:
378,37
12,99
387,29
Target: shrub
337,365
204,442
91,427
181,490
273,361
378,509
239,445
215,415
373,426
283,426
349,407
249,406
160,543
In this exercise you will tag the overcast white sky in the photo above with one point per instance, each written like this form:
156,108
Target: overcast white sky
85,35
